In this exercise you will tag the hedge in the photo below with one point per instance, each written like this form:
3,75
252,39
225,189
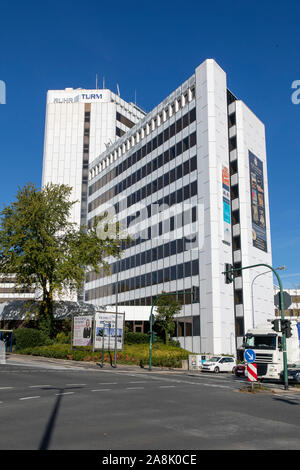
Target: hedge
162,355
29,338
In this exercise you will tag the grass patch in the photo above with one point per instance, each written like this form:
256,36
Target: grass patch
162,355
256,388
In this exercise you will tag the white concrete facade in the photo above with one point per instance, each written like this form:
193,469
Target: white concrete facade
189,155
258,303
66,139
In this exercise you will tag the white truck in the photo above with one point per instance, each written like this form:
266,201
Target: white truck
267,345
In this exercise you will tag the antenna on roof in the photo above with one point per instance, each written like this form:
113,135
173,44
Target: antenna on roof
118,89
103,83
135,97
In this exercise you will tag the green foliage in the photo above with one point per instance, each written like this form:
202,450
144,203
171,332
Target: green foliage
167,307
63,338
29,338
136,338
44,249
162,355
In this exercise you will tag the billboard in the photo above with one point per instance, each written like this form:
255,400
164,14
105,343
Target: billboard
226,204
259,232
82,330
105,328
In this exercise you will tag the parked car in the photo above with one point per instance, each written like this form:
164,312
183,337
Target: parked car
219,364
293,373
240,369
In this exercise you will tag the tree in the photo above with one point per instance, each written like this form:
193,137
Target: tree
167,307
44,250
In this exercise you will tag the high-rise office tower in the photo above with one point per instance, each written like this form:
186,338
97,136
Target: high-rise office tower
80,124
189,181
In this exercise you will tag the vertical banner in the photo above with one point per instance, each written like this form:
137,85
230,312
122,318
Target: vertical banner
226,204
82,330
106,323
259,232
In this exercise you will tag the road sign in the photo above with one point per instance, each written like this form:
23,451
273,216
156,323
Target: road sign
249,355
252,372
287,300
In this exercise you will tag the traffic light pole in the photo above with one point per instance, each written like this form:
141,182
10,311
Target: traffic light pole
151,324
285,369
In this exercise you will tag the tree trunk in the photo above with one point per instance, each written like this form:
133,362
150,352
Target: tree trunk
46,313
166,337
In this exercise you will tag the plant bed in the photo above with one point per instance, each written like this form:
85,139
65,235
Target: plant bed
135,354
255,388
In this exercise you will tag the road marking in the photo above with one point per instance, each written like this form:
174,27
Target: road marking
37,386
107,383
74,384
29,398
166,386
6,388
101,390
64,393
138,382
134,388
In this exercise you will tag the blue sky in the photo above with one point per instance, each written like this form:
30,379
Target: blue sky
150,48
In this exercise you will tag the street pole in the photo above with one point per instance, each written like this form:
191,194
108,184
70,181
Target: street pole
150,319
285,370
280,268
116,320
102,358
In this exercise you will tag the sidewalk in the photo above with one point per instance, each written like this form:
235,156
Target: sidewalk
10,357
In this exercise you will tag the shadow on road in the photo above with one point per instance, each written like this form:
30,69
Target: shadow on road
45,442
289,401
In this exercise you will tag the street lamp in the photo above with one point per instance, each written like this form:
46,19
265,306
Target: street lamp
280,268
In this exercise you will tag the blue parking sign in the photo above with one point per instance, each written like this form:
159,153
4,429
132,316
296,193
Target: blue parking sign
249,355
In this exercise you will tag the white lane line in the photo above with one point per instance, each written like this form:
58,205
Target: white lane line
101,390
37,386
74,384
29,398
138,382
107,383
166,386
134,388
6,388
64,393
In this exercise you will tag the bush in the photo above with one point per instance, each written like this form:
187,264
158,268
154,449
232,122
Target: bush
136,338
63,338
162,355
29,338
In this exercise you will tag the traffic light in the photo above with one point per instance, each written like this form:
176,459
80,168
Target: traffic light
153,337
153,319
276,325
286,327
228,273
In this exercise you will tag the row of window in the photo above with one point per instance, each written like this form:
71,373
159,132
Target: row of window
179,271
176,173
153,254
145,150
151,188
169,200
181,296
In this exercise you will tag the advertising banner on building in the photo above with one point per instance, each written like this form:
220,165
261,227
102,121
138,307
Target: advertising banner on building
105,327
82,330
226,204
259,232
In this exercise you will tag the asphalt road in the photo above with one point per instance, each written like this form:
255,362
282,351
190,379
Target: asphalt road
49,406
